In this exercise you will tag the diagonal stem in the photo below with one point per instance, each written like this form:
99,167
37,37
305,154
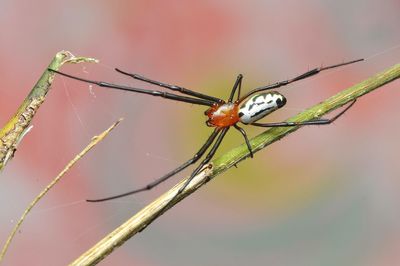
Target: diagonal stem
95,140
19,124
152,211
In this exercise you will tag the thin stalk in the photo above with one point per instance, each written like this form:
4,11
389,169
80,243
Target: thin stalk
95,140
19,124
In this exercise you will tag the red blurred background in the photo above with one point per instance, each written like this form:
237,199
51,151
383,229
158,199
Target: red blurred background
322,196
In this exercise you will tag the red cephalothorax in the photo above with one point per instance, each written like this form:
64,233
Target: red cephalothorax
222,115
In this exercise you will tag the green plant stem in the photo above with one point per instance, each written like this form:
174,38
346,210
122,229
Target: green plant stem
152,211
16,128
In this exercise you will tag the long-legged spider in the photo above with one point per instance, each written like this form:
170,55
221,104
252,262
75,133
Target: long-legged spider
221,114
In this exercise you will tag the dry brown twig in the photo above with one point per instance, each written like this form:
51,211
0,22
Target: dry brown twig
95,140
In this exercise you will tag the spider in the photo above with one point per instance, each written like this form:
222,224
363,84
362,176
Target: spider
247,109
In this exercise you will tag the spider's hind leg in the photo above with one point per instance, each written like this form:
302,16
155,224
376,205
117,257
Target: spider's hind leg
322,121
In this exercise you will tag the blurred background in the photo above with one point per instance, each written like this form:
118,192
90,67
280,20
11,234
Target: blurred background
325,195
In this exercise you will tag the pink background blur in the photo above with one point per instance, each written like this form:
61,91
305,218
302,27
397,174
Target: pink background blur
322,196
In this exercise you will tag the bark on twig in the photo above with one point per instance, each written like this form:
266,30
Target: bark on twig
17,127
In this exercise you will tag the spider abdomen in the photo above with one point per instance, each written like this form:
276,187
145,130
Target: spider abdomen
260,105
222,115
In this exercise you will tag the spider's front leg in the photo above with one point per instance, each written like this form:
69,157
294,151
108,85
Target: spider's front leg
158,181
171,87
209,156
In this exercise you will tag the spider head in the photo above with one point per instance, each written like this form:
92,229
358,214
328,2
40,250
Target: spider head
259,105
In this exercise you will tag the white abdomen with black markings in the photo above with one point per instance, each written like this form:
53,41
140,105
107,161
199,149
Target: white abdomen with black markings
259,105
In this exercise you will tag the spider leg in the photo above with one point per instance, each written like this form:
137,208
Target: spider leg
241,130
307,74
171,87
237,85
198,168
204,162
156,182
311,122
162,94
195,172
